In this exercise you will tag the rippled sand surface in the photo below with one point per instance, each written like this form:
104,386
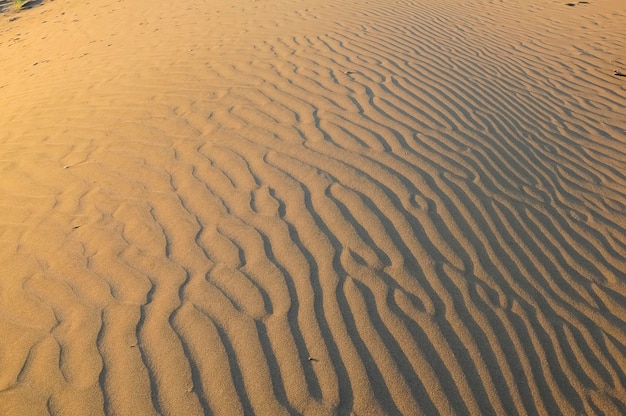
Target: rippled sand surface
313,207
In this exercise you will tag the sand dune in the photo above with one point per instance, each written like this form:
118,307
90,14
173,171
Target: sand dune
307,207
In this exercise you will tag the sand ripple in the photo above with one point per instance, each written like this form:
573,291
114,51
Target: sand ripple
314,207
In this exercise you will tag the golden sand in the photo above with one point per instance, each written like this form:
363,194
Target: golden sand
313,207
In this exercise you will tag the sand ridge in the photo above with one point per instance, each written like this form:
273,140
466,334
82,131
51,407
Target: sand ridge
306,207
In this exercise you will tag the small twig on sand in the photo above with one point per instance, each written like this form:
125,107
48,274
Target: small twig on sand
620,71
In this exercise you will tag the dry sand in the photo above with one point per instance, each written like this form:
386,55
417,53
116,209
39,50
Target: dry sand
317,207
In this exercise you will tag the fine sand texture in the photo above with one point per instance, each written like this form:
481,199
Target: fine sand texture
320,207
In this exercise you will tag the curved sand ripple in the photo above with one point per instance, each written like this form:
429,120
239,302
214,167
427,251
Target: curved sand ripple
313,207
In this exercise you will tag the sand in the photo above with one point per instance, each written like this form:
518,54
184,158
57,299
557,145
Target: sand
313,207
